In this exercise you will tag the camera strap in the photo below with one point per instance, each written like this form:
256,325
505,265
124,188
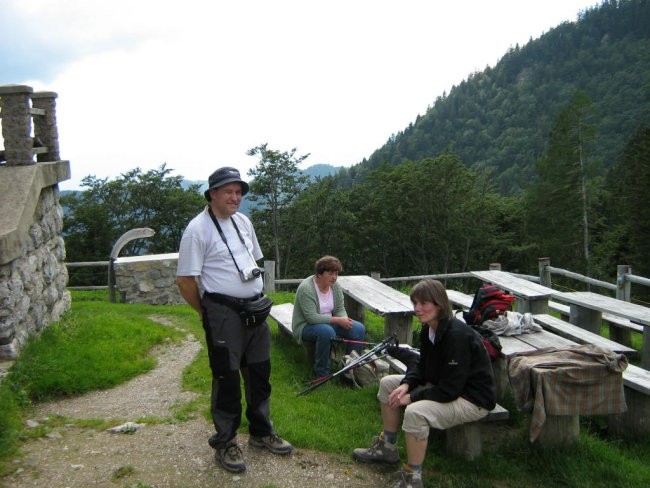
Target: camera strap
223,236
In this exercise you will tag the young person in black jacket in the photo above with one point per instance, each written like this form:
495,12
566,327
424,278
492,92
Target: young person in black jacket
451,384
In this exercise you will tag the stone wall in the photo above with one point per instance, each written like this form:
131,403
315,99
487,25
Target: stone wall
33,275
148,279
33,290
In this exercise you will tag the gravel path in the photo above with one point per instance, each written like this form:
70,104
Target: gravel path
162,455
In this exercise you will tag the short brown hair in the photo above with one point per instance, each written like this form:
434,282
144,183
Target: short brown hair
328,263
432,291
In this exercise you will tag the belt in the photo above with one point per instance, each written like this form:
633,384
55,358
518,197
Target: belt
228,300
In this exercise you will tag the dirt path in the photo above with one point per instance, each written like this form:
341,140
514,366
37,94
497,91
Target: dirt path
162,455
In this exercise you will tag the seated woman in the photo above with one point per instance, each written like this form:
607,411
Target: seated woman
319,314
451,384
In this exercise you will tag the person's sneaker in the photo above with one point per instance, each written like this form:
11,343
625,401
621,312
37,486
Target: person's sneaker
379,452
273,443
231,458
406,478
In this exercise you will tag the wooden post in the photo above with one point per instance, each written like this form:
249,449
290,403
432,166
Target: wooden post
623,285
622,335
494,267
544,272
375,275
269,276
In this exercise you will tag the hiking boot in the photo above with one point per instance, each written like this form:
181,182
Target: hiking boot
231,458
273,443
379,452
406,478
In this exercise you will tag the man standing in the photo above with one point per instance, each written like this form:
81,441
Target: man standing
218,254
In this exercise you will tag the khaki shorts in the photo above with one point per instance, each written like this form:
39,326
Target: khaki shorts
423,415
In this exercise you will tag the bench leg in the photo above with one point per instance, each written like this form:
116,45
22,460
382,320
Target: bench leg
559,431
500,368
401,326
586,318
620,335
633,423
532,306
645,351
465,441
310,349
354,309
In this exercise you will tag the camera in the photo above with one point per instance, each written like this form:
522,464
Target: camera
248,274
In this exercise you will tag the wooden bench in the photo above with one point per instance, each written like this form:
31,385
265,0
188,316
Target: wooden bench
620,329
283,314
459,299
366,292
531,297
587,309
581,336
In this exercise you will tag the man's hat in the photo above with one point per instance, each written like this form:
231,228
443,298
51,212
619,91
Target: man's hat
223,176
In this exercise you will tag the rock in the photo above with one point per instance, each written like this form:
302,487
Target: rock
127,428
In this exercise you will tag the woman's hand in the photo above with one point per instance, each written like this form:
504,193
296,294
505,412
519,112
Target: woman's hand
344,322
399,397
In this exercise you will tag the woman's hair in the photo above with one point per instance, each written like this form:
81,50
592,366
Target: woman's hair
328,263
433,291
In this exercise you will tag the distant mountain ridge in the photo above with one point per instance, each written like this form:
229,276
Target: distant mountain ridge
315,171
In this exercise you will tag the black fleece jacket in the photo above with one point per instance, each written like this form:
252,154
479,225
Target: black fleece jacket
457,365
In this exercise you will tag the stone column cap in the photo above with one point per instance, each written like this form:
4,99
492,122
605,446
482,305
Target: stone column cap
44,94
9,89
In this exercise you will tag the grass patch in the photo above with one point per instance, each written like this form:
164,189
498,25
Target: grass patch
99,344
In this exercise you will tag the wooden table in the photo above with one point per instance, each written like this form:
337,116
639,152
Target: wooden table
365,292
531,297
587,309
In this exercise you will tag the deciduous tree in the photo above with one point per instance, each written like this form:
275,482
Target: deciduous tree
276,183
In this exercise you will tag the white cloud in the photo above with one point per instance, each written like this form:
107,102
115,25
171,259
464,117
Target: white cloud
195,84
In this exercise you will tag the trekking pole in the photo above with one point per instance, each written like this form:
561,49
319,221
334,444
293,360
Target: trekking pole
350,341
392,340
368,360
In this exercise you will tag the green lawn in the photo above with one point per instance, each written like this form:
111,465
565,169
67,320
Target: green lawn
99,345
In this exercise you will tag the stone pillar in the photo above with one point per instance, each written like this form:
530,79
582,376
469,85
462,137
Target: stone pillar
17,124
45,125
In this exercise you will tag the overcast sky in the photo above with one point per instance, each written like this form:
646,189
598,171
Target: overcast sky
195,84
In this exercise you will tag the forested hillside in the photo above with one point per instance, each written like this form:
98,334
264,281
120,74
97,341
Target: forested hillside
499,119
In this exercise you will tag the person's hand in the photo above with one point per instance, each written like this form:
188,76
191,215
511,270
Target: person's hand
399,397
345,322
